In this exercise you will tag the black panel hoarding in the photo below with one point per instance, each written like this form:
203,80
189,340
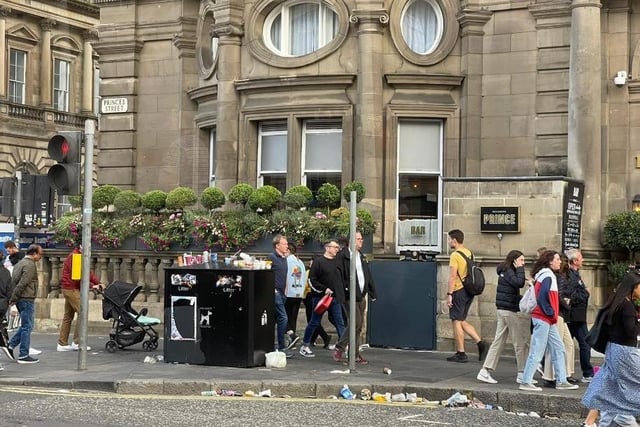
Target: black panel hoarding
572,215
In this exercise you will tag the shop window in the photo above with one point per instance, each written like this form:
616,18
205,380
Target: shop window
419,184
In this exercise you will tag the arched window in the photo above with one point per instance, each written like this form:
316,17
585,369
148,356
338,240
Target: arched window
422,25
299,28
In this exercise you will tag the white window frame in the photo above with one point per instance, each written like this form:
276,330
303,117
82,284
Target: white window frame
326,14
61,78
439,27
212,157
271,128
17,83
324,127
424,172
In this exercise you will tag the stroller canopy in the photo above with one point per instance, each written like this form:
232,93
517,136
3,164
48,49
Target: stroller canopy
118,295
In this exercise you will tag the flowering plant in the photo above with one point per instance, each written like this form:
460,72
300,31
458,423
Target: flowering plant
67,229
109,231
160,231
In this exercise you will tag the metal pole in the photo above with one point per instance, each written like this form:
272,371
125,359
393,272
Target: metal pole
87,213
18,208
352,282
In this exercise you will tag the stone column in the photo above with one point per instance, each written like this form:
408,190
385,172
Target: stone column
46,25
228,28
368,165
471,23
584,153
4,12
87,71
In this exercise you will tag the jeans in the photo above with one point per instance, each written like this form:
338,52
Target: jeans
545,336
23,334
281,319
608,419
335,313
579,332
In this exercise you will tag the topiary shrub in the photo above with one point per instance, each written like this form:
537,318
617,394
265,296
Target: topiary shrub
127,201
356,186
76,201
212,198
298,197
264,198
181,197
328,195
622,231
240,193
154,200
104,195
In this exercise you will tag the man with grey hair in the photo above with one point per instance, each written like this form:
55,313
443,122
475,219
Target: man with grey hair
579,299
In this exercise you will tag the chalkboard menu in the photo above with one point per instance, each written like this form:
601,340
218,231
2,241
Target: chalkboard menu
572,215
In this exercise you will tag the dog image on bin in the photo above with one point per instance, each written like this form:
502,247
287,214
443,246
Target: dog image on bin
129,326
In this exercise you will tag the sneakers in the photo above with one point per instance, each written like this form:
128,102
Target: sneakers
338,354
586,379
64,348
34,351
483,349
1,368
361,361
327,342
486,377
529,387
9,352
549,383
519,379
459,357
306,351
27,359
293,339
572,380
75,347
566,386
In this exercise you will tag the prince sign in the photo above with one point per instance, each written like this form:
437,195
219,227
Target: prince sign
500,219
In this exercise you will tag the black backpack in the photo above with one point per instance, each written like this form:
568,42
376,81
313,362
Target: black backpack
474,280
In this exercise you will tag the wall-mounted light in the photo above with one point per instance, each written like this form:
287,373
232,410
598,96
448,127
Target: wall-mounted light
620,79
635,203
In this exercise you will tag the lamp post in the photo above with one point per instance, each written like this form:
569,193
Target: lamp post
635,203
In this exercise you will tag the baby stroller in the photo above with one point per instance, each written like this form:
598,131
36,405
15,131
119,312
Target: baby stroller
129,326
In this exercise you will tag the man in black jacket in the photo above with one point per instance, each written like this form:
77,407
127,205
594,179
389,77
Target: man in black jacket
577,321
364,286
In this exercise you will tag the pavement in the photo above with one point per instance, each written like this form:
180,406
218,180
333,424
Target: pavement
426,373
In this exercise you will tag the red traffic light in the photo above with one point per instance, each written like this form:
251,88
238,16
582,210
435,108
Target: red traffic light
64,147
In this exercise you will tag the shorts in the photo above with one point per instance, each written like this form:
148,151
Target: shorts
461,300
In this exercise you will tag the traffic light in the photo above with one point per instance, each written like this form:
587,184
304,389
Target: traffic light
64,147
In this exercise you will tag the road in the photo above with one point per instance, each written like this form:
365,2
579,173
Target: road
40,407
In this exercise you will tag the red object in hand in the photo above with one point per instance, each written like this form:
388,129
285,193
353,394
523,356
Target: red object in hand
323,304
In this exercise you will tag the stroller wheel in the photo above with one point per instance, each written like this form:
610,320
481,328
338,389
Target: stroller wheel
147,345
111,346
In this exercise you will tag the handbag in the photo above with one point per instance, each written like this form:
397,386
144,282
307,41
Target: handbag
323,304
598,335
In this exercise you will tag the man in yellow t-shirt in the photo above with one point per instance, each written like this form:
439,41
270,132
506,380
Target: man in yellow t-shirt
459,300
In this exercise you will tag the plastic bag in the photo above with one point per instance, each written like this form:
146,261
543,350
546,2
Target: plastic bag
528,302
323,304
275,359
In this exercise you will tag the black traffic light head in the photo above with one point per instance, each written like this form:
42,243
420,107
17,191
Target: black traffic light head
65,147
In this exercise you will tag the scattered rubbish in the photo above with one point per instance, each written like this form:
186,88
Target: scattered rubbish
533,414
346,393
249,393
276,359
379,397
223,392
412,397
338,371
400,397
332,397
456,400
150,359
265,393
159,357
431,403
386,370
208,393
365,394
